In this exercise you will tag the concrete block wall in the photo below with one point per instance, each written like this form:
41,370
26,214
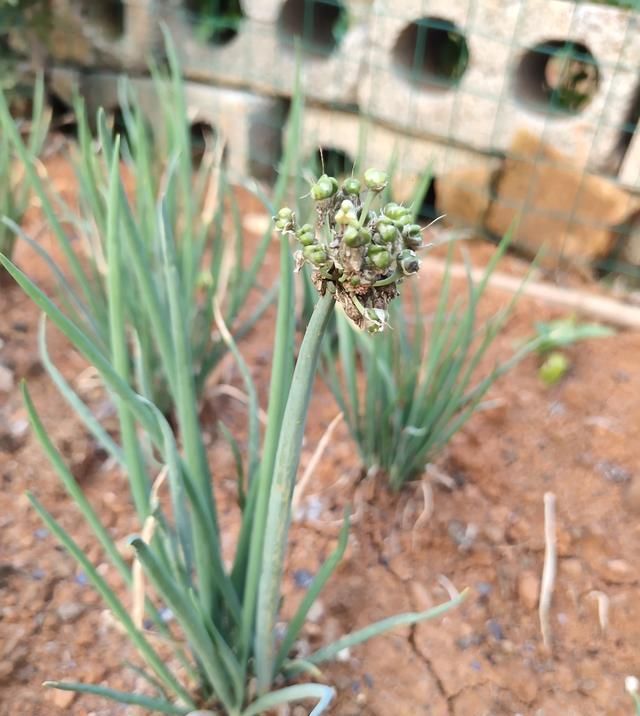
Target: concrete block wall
500,92
248,124
379,67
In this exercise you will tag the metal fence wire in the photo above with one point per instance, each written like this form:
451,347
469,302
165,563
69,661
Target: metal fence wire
523,110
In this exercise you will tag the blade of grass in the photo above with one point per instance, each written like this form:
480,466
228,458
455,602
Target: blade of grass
116,606
123,697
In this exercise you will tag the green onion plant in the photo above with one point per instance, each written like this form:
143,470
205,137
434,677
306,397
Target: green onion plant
200,210
14,187
419,386
228,654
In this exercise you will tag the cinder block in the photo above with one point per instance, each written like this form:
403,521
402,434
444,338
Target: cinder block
250,125
98,34
374,145
262,56
270,10
484,110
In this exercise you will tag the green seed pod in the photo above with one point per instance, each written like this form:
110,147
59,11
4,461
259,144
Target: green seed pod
324,188
351,237
284,219
395,211
408,262
365,236
375,179
380,259
285,214
403,221
307,239
352,186
315,254
355,280
304,229
388,232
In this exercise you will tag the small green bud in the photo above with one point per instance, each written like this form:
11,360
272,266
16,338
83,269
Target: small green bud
375,179
408,262
380,259
388,232
355,280
315,254
304,229
324,188
395,211
352,186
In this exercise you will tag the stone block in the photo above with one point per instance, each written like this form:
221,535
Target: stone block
250,125
549,202
117,35
498,94
371,144
262,56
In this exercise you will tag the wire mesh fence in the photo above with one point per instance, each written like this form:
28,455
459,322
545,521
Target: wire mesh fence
523,110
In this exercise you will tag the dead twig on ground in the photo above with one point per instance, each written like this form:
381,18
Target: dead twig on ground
549,567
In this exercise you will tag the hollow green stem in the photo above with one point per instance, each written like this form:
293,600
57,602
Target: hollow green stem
284,474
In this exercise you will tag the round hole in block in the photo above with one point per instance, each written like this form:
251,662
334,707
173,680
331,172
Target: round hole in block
432,52
319,24
63,118
557,76
215,21
332,161
203,138
428,211
107,15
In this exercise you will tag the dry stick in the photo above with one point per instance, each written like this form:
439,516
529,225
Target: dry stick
603,609
549,568
138,588
313,463
602,308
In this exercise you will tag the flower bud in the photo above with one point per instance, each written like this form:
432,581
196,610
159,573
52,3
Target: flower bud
375,179
316,254
408,262
324,188
352,186
346,214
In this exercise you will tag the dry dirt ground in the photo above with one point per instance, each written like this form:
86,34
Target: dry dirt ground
481,527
